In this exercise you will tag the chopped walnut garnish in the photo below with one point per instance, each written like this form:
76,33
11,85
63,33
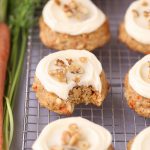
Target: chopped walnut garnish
146,14
69,14
72,139
59,74
83,59
135,13
73,4
76,79
144,3
60,63
66,136
73,9
66,8
73,127
69,61
57,2
75,68
64,67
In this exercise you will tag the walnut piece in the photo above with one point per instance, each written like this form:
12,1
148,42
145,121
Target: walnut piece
66,8
146,14
73,127
75,69
83,59
135,13
144,3
69,61
73,4
72,139
66,136
76,80
60,63
74,9
58,2
59,74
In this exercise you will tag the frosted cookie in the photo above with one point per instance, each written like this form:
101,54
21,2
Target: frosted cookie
135,30
141,141
73,24
137,87
66,78
73,133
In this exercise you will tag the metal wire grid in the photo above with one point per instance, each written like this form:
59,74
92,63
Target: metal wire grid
114,114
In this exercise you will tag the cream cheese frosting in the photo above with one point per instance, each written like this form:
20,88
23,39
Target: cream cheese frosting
97,136
57,20
89,73
137,21
142,140
139,77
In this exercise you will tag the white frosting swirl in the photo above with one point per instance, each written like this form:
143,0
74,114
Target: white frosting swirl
97,136
92,70
139,77
138,27
57,20
142,140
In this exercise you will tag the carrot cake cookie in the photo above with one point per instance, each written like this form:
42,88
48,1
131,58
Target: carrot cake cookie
73,24
73,133
69,77
141,141
137,87
135,30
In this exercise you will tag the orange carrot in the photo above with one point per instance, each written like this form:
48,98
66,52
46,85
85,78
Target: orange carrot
4,54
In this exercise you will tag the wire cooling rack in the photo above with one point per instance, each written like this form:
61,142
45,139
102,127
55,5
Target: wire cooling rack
116,59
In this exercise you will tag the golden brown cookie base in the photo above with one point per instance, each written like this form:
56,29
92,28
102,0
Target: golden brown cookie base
132,43
60,41
111,148
138,103
129,144
77,95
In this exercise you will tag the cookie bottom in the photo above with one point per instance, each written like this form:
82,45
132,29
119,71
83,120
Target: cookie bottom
138,103
60,41
129,144
132,43
111,147
79,94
